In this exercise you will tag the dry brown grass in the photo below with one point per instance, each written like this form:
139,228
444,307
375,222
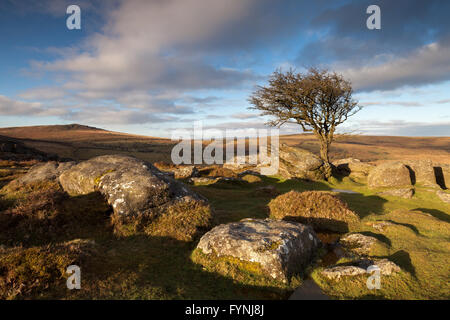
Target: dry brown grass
373,148
80,142
25,272
43,212
251,178
161,165
323,210
17,164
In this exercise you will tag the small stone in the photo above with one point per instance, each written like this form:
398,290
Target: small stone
202,180
386,266
341,271
381,225
360,267
358,243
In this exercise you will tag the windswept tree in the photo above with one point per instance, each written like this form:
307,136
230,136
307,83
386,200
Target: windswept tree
318,100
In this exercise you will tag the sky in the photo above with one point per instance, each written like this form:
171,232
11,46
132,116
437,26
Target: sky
152,66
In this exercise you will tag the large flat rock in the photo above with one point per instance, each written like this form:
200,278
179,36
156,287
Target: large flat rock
131,186
390,174
423,172
293,163
280,248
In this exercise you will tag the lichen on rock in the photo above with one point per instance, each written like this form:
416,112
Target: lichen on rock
280,248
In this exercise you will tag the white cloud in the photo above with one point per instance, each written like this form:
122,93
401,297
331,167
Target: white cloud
428,64
43,93
10,107
136,51
244,115
392,103
404,128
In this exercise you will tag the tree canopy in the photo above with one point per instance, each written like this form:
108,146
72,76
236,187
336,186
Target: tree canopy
318,100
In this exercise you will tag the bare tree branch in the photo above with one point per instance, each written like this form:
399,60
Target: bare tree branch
318,101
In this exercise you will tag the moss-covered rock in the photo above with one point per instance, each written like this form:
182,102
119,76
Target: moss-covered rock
141,196
277,249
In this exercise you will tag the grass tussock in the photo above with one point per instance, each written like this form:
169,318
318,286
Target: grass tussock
323,210
251,178
217,171
181,220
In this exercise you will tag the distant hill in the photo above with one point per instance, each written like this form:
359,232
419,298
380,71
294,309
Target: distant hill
82,142
375,148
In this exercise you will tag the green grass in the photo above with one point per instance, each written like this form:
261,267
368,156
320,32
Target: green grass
158,267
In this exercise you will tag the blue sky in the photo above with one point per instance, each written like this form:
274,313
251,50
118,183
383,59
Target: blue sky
148,67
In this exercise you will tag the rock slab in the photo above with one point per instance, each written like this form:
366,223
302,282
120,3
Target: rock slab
47,171
280,248
131,186
293,163
389,175
385,267
354,168
423,172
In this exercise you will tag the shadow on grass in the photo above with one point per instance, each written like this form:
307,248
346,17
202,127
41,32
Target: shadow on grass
438,214
238,195
51,220
364,205
379,237
403,260
161,268
407,225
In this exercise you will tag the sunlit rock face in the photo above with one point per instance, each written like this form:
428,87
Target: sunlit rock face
280,248
131,186
390,174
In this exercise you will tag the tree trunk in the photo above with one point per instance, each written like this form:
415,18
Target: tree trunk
324,148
